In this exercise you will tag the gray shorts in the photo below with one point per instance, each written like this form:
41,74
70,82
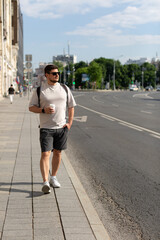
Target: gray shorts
53,139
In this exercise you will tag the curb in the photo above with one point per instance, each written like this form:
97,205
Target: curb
93,218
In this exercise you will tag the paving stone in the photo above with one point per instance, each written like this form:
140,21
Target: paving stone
54,237
80,237
20,226
44,210
2,214
48,232
15,233
72,214
19,211
73,222
70,209
17,206
48,219
47,225
69,203
84,230
45,215
49,205
17,238
19,215
18,221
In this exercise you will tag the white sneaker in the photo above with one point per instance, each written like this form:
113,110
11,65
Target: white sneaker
54,182
46,187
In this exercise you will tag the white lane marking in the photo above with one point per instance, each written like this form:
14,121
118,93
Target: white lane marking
94,98
146,112
78,95
115,105
155,136
142,95
152,105
119,120
80,119
110,119
127,125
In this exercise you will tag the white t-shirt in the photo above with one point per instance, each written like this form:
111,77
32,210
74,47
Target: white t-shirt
56,95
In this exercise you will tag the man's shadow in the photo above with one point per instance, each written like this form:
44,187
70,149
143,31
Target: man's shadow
11,187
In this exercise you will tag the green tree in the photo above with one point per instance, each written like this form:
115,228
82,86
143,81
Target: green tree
158,73
81,64
78,77
58,64
125,79
95,74
149,74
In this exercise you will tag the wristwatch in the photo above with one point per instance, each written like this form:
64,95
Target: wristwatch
43,111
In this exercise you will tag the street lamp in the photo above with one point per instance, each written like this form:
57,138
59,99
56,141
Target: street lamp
114,72
73,78
143,69
142,79
155,78
60,76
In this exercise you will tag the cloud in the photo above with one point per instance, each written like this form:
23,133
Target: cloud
117,28
60,8
114,27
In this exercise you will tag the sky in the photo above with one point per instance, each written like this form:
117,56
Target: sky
116,29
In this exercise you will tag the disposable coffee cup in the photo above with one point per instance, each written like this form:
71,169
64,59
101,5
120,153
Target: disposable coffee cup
52,106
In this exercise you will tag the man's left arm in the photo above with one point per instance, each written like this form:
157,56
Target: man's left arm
70,117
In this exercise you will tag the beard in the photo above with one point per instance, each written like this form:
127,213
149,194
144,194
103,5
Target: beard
54,81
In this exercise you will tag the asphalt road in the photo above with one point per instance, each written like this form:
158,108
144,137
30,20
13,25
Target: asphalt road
114,146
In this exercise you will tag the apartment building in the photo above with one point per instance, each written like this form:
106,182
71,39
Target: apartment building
9,44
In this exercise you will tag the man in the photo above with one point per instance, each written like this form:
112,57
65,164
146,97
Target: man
53,126
11,92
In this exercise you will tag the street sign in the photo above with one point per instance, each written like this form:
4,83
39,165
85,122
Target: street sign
28,58
28,64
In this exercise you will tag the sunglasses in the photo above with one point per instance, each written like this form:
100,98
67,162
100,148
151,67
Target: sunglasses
55,73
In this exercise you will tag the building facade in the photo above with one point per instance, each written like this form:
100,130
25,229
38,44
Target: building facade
9,44
65,59
20,68
138,61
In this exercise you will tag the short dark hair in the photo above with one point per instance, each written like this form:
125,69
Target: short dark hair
48,68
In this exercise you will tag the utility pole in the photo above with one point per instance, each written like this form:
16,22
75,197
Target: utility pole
114,70
142,79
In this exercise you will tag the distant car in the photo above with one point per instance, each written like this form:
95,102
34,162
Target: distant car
133,88
149,88
158,89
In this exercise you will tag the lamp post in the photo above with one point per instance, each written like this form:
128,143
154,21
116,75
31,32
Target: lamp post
64,75
73,79
142,79
60,76
155,78
114,71
143,69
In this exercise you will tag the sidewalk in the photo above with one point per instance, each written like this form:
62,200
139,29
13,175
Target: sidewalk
25,212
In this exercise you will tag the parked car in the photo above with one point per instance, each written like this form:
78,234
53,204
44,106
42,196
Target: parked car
158,89
149,88
134,88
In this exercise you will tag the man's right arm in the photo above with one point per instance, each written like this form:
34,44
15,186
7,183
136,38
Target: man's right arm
33,104
35,109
